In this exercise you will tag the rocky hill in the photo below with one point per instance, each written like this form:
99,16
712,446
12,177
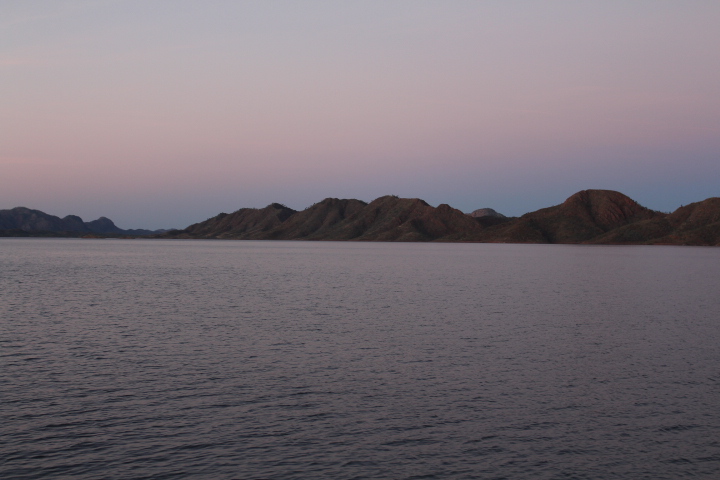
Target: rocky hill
244,224
485,212
318,221
387,218
589,216
21,221
391,218
583,217
694,224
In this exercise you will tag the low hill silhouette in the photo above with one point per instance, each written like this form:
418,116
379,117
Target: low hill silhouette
244,224
21,221
589,217
694,224
318,221
581,218
387,219
390,218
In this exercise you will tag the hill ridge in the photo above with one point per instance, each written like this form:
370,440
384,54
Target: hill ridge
587,217
23,221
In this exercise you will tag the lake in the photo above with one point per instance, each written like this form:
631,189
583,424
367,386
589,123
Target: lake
154,359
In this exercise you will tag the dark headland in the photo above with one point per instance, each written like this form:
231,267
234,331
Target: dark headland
587,217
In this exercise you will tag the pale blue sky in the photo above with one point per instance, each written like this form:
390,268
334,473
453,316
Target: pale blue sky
162,113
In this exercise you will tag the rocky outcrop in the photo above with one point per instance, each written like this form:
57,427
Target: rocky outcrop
485,212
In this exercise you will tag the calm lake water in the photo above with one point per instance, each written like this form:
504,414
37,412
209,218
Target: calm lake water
142,359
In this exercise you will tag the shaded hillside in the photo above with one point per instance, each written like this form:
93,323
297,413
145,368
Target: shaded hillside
581,218
104,225
485,212
589,216
29,220
387,218
694,224
390,218
317,221
487,217
21,221
244,224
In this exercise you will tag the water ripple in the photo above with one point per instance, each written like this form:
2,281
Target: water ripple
282,360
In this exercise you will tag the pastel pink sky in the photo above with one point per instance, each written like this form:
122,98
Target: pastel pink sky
161,114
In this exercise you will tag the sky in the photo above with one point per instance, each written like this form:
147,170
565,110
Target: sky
162,113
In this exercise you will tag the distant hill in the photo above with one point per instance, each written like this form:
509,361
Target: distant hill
21,221
391,218
387,218
589,216
581,218
488,217
694,224
244,224
319,220
485,212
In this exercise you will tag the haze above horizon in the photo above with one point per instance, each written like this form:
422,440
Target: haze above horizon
162,114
